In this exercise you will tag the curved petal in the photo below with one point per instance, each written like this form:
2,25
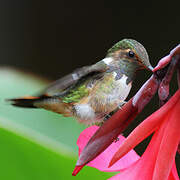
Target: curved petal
129,175
102,161
169,144
145,128
143,168
173,175
157,161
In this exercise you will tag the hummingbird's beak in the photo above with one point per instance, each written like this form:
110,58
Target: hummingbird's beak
147,66
150,68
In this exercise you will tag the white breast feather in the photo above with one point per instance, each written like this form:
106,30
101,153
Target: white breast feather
84,111
121,90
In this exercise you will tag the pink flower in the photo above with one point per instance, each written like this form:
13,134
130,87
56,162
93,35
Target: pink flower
158,160
102,161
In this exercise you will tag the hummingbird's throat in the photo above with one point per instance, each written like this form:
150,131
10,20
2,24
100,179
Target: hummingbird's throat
128,68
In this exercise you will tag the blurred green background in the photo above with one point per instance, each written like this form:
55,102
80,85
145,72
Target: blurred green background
50,39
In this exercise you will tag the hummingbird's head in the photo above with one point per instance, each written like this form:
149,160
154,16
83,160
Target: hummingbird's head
131,51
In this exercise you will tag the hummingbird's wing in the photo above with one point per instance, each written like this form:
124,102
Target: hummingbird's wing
64,84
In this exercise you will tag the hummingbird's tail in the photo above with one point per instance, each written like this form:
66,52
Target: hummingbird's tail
26,102
49,103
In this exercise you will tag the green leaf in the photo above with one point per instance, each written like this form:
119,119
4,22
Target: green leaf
36,144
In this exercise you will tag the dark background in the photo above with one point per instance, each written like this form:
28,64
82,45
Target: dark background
52,38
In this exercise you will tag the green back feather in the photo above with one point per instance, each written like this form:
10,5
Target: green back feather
76,94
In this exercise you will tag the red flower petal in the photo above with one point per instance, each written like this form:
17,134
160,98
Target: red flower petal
143,168
169,144
102,161
174,173
145,128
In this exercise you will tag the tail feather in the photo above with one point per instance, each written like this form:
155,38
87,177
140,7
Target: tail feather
49,103
26,102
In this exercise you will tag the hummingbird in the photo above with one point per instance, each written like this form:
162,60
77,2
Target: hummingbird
93,93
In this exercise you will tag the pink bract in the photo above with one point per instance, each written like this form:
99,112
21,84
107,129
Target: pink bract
102,161
158,160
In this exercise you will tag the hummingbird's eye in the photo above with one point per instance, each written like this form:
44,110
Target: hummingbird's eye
131,54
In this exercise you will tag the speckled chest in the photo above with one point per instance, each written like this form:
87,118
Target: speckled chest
105,97
110,92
